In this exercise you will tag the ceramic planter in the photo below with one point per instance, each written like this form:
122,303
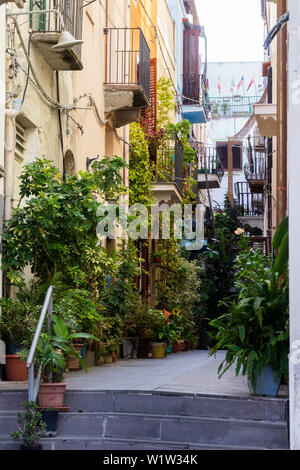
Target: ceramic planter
15,368
51,395
267,383
90,359
169,348
158,350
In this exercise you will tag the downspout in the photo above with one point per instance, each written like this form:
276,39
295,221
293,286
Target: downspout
281,170
9,156
270,162
60,126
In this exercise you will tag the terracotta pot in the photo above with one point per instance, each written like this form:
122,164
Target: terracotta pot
52,395
114,357
74,364
181,345
185,346
15,369
175,347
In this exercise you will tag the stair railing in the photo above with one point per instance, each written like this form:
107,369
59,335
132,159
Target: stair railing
33,387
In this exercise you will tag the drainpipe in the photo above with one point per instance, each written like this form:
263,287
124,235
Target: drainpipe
281,171
9,156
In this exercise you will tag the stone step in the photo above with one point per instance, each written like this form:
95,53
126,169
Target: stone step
163,403
78,443
157,428
167,403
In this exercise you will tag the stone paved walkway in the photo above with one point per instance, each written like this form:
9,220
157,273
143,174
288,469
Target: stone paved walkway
186,372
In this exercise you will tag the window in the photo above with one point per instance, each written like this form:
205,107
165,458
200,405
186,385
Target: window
20,143
20,150
237,155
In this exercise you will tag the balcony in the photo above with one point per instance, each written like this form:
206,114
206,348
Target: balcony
168,177
266,118
256,167
47,28
232,106
127,83
195,99
250,208
210,168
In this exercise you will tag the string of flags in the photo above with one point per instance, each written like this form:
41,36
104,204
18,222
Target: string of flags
232,86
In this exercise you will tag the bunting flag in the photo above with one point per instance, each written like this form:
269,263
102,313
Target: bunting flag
232,86
207,85
242,82
250,84
219,85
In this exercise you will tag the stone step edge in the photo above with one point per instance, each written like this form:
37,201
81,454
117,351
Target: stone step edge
166,393
73,414
174,444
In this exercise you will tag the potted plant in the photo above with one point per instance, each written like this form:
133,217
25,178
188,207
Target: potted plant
157,256
17,322
255,329
161,333
31,427
138,324
53,351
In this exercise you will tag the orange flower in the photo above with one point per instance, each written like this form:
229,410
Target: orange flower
166,314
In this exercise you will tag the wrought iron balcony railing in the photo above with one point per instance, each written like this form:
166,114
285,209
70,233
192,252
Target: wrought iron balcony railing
248,204
128,60
72,12
169,162
209,161
256,167
194,91
232,106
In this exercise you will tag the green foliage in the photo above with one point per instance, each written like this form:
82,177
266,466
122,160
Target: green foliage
141,172
18,320
54,227
119,296
165,102
55,348
281,246
216,273
30,426
255,330
178,287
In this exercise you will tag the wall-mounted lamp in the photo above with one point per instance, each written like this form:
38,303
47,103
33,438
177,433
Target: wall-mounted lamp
66,40
89,161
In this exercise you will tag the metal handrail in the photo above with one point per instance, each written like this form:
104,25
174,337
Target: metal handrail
33,388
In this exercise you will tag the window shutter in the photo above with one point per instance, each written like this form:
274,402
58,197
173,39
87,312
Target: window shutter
222,153
149,115
237,157
191,80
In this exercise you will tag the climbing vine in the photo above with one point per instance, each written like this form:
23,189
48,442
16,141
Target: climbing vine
141,172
